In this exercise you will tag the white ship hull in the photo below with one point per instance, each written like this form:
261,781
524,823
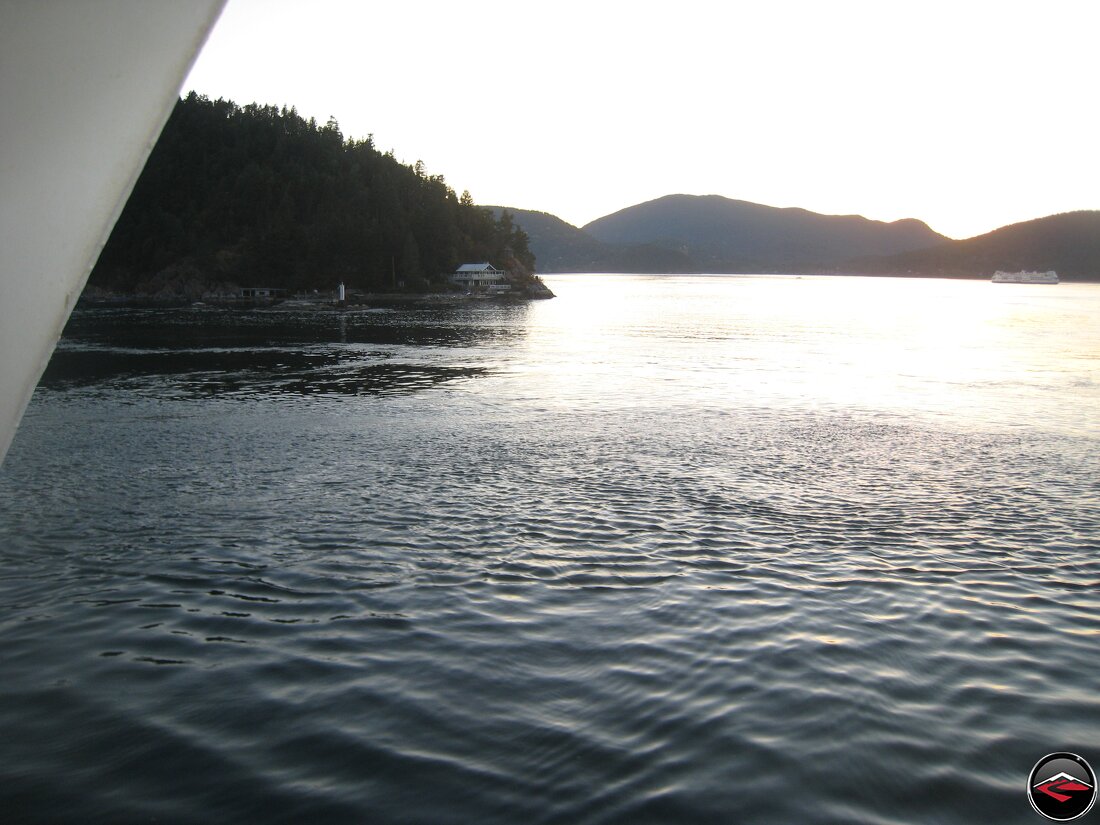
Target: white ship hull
85,88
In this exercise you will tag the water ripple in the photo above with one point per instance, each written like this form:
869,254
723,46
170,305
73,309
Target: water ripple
308,597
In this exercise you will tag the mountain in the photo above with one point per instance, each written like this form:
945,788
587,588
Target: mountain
558,246
686,233
1068,243
723,235
561,247
689,233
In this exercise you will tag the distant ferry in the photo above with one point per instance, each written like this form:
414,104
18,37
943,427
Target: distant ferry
1048,277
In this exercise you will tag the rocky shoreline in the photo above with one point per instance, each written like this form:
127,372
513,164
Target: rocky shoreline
100,299
183,285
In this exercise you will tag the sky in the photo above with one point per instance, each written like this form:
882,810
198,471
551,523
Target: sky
966,115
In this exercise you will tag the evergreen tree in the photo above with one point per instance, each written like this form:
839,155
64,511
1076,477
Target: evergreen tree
257,195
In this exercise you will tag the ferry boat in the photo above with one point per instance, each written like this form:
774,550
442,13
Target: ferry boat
1048,277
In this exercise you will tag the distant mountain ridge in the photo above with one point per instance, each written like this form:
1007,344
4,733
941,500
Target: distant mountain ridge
1068,243
724,235
561,247
710,233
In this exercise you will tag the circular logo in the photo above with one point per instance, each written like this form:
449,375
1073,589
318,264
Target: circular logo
1062,786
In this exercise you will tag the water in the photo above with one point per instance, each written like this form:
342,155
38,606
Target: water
681,549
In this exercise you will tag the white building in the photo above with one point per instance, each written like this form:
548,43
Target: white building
478,276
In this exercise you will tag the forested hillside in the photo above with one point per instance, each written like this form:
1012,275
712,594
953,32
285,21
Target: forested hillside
258,195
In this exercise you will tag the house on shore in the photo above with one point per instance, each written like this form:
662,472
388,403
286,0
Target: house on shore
479,276
260,293
245,297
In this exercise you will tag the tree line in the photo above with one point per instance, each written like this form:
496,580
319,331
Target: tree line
259,195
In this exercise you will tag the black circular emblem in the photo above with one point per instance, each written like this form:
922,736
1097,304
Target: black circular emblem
1062,786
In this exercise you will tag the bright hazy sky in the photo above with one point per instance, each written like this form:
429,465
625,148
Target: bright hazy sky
967,115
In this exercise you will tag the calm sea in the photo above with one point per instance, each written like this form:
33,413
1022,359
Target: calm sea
662,550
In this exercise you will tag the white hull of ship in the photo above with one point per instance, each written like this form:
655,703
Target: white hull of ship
85,89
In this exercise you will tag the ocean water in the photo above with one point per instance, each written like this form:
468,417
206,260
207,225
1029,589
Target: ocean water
661,550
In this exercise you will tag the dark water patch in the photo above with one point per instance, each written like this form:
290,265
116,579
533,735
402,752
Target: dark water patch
243,373
174,329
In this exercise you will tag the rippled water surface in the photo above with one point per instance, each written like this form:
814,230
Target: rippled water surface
681,549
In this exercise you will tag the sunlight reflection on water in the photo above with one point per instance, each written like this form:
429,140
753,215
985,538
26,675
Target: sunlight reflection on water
966,350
